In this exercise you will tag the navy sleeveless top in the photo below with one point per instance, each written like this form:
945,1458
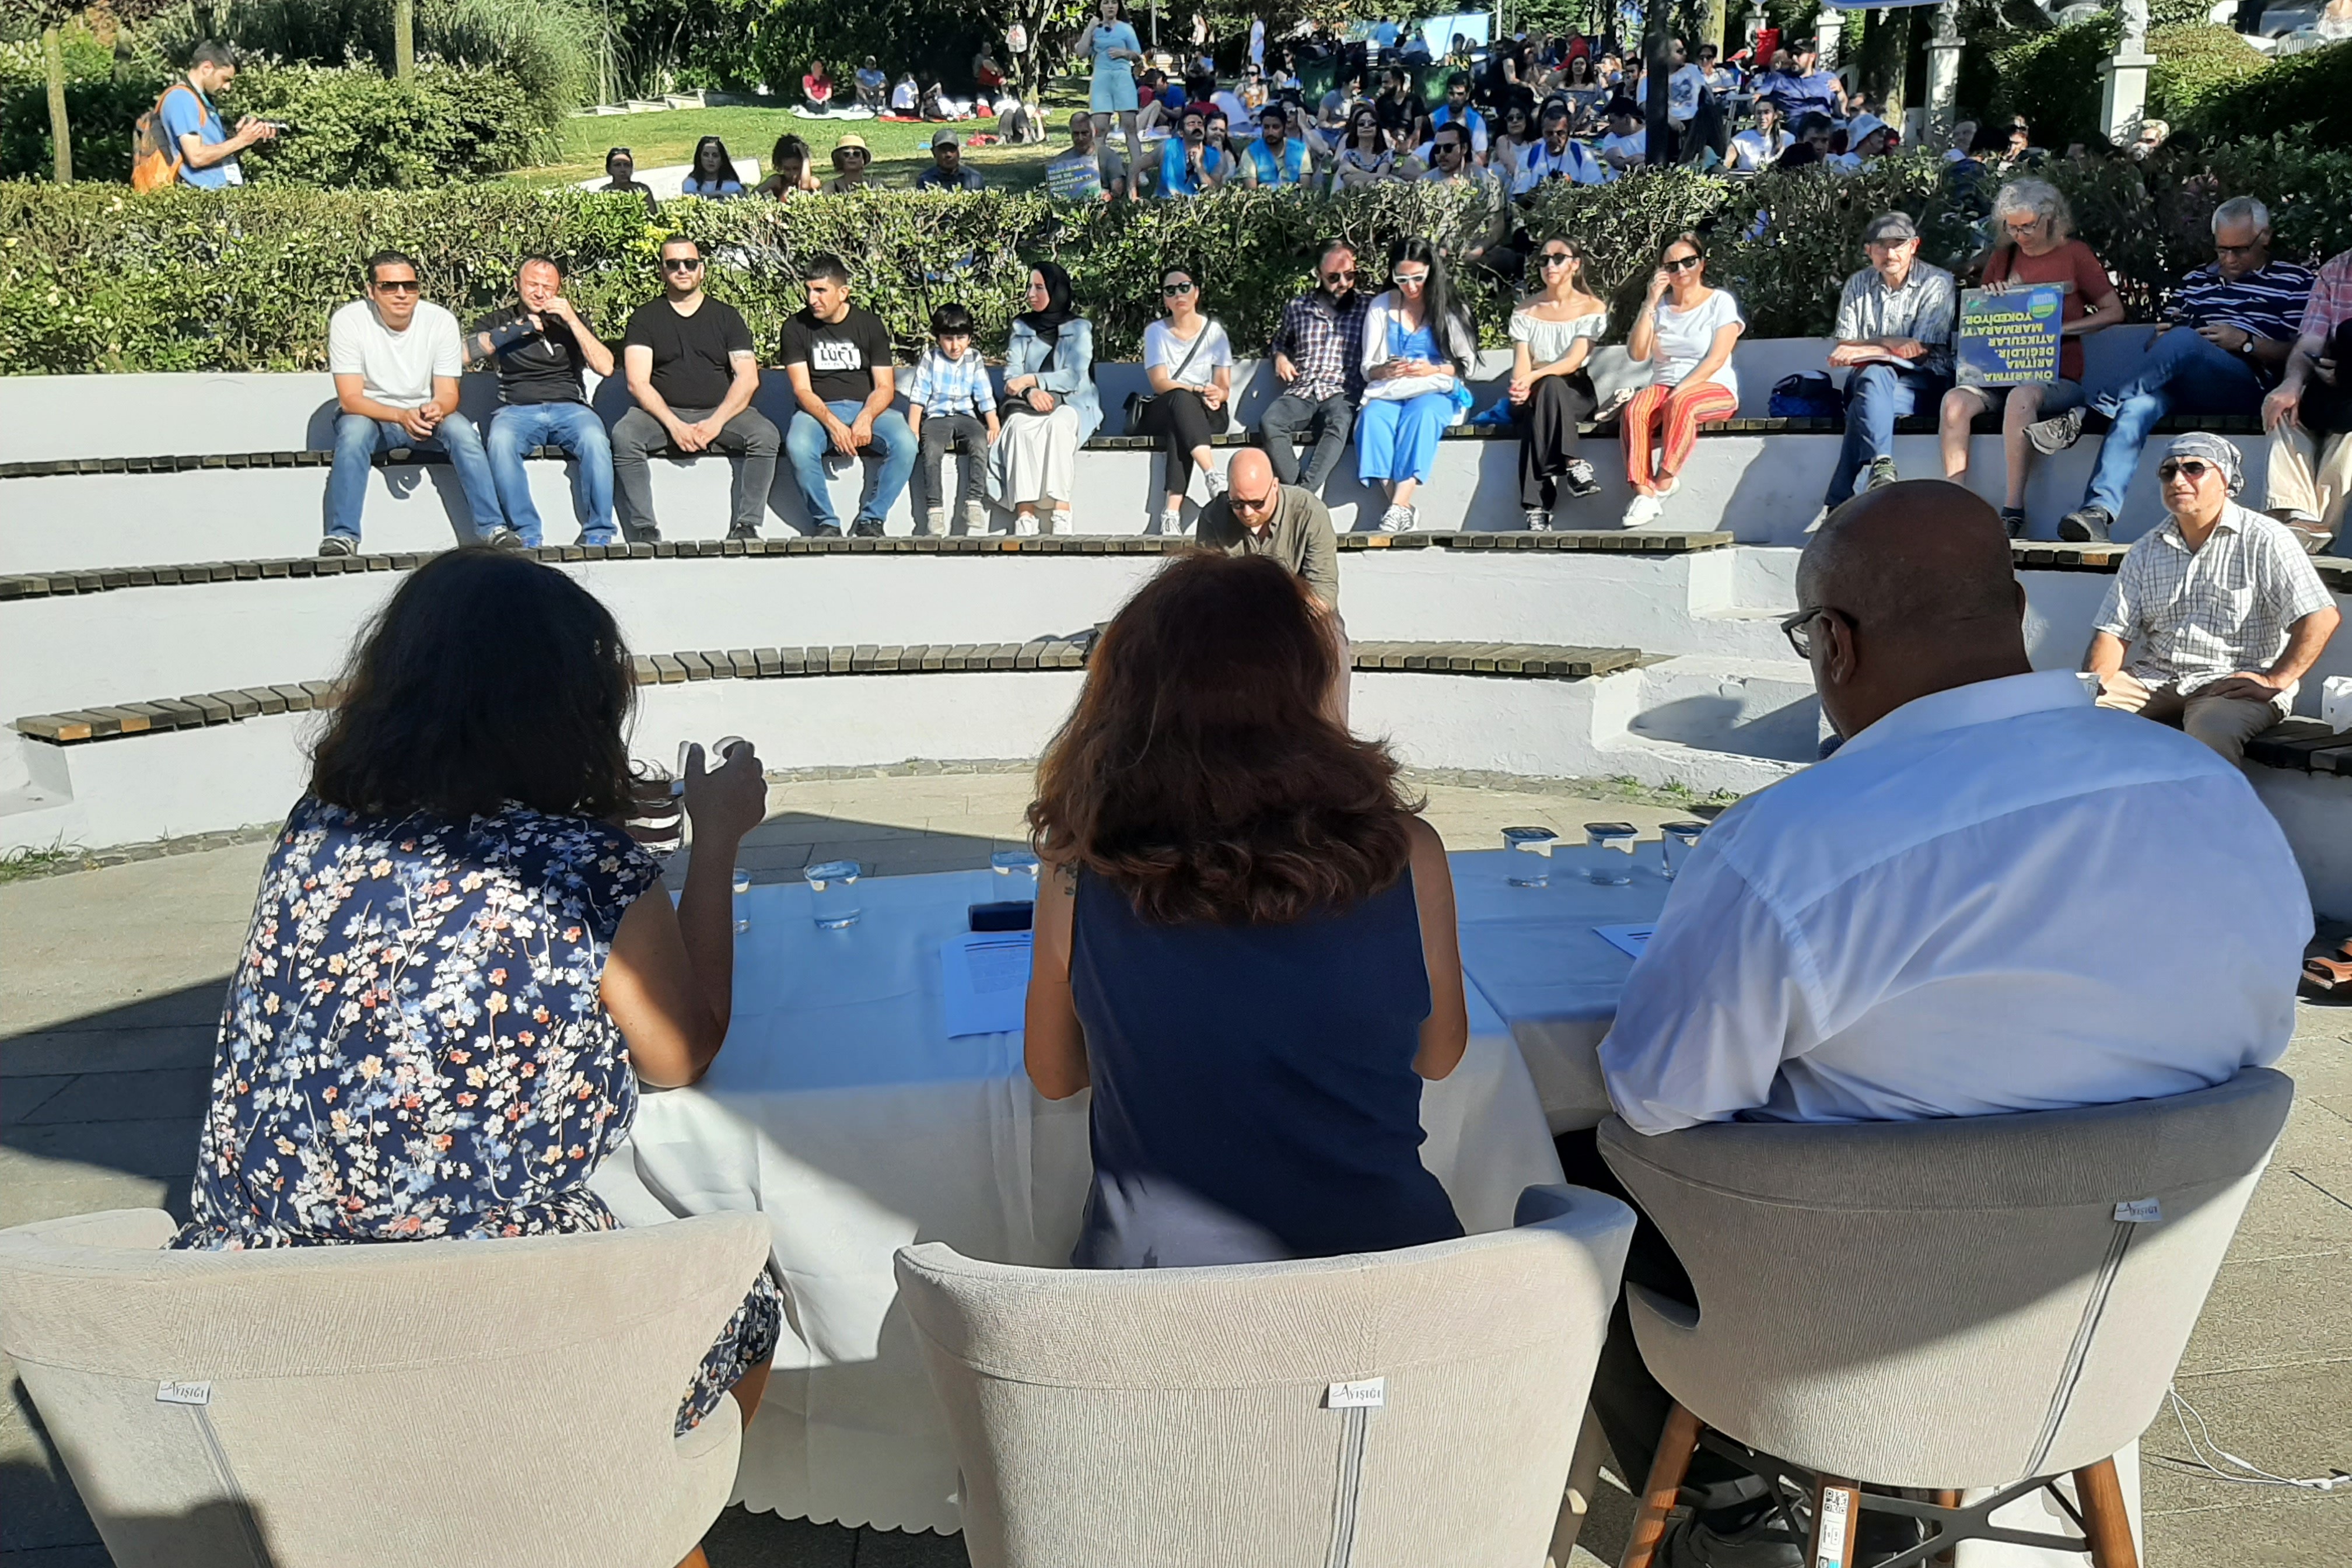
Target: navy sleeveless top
1254,1092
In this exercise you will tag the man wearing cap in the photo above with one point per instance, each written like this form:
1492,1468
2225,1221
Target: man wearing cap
947,171
850,156
1804,89
1895,340
2218,607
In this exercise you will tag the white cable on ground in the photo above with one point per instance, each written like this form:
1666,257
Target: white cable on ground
2201,1441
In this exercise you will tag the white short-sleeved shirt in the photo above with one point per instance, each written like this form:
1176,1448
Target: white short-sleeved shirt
395,369
1162,347
1684,338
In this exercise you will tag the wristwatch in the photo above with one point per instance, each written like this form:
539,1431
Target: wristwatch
2247,347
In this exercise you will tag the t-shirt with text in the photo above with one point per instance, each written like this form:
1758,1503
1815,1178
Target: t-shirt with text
840,355
691,354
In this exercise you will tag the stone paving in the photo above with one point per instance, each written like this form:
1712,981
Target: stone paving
112,990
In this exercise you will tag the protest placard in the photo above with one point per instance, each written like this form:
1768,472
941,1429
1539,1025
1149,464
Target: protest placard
2009,337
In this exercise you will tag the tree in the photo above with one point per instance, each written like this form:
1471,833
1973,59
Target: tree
50,17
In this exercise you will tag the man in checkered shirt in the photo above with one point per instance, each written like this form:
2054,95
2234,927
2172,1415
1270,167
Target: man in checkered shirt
2223,608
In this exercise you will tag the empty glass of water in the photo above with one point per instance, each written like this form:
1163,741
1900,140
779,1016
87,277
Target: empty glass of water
833,893
1611,864
1019,867
743,885
1537,842
1676,842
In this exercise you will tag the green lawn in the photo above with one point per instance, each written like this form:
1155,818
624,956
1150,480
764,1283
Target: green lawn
901,150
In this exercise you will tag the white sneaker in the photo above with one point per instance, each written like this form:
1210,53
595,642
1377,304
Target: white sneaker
1060,522
975,518
1646,507
1397,520
1171,525
935,523
1024,523
1216,483
1670,487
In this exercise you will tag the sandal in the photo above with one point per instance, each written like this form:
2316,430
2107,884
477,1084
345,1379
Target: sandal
2331,976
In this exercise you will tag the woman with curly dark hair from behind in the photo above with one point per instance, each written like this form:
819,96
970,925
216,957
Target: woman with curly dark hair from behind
1244,941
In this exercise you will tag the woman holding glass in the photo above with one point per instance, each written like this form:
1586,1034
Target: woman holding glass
1419,346
1190,363
1245,938
1050,408
1685,332
1553,333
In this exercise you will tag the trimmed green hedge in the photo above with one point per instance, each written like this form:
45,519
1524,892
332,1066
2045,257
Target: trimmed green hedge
2309,94
95,278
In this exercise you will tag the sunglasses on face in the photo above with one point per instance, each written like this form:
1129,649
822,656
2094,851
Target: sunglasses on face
1244,503
1176,290
400,286
1410,279
1343,275
681,264
2188,468
1682,265
1554,258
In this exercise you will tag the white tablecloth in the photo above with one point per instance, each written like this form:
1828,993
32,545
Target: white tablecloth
840,1109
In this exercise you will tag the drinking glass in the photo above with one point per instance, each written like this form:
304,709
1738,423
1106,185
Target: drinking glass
833,893
1676,842
743,885
1612,865
1537,841
650,783
1018,867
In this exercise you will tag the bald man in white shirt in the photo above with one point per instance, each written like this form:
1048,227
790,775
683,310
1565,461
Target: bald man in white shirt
1974,907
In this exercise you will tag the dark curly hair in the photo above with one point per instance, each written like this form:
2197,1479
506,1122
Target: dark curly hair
488,679
1202,774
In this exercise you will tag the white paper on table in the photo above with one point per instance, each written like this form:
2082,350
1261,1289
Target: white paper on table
987,976
1627,940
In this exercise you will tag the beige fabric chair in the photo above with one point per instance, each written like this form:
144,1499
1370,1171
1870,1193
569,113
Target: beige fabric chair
1186,1416
1964,1303
427,1402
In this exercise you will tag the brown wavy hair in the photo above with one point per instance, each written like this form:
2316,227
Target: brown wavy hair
1201,773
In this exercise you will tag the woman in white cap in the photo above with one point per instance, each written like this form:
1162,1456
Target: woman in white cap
1866,138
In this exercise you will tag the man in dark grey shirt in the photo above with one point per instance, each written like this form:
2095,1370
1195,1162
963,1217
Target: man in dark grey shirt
1257,516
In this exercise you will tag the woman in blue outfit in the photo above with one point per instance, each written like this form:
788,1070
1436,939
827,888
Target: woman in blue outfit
1115,51
1245,945
1419,349
460,966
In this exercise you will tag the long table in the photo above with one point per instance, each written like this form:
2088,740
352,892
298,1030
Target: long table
842,1109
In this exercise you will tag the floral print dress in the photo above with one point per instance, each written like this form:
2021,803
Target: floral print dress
414,1044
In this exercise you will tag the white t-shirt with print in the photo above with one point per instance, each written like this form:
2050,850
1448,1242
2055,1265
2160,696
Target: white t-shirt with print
1684,338
1162,347
395,369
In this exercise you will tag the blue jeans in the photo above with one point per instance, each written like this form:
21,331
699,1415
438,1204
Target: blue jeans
1877,395
892,454
574,426
2180,372
359,438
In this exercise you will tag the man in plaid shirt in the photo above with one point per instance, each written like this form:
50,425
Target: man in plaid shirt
951,406
2311,457
1319,357
2225,610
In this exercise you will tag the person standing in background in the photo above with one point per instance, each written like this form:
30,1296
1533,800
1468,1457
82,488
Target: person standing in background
1115,49
207,147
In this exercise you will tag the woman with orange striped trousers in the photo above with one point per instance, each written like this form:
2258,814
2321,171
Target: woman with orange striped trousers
1685,332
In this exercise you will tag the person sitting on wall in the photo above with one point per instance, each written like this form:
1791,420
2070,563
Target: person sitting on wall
1257,516
951,407
838,357
948,171
693,369
2309,416
620,175
396,357
2222,662
850,156
541,344
1685,331
2228,332
713,172
1318,353
1895,340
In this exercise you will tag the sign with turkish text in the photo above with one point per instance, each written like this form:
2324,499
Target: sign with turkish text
2009,337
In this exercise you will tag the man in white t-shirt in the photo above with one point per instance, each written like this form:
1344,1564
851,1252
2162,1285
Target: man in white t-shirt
1755,151
1627,145
396,358
1683,87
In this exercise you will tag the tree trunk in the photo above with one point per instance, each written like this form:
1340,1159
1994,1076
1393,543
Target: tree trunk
404,39
1884,44
1657,64
53,63
1709,27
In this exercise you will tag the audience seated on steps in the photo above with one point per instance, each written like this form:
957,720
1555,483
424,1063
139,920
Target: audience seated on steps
1050,408
1685,331
397,358
838,357
2309,416
693,369
1900,930
1553,333
2228,331
1319,353
951,406
1894,335
2224,609
1245,939
1189,361
1419,347
2035,227
540,345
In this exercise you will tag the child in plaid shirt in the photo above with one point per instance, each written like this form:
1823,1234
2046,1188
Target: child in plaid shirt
951,407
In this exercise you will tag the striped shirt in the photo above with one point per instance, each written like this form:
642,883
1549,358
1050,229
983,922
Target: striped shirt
2201,616
2267,302
944,385
1922,309
2330,304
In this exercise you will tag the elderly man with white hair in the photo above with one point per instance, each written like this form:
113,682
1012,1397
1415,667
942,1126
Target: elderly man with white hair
2218,608
2226,335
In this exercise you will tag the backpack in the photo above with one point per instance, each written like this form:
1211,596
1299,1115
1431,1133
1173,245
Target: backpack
1809,395
154,152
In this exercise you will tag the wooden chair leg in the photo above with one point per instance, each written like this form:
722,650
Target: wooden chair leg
1676,1445
1837,1514
1583,1475
2106,1520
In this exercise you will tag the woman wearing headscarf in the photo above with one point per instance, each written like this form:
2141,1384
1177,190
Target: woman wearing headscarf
1050,408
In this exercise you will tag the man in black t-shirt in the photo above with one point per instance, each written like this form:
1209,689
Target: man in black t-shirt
838,357
692,369
540,345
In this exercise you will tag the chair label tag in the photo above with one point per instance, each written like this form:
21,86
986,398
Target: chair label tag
183,1393
2138,1211
1370,1393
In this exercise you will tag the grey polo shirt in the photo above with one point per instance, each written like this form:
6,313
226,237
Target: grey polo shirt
1922,309
1299,536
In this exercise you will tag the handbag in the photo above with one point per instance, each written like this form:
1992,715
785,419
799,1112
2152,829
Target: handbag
1138,404
1809,395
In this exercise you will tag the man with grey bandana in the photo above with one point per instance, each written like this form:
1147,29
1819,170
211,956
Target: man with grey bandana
2219,608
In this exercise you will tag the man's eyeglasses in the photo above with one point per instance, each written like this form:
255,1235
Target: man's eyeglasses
1243,503
2188,468
400,286
1176,290
1684,265
1798,628
2237,249
681,263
